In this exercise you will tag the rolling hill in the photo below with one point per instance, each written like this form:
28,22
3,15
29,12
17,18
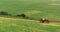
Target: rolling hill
34,9
31,8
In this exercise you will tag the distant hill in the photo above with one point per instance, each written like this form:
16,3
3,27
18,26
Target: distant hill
32,8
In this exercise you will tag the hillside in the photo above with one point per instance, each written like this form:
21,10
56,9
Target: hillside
32,8
24,25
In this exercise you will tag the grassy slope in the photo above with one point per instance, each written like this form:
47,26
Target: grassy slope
24,25
32,8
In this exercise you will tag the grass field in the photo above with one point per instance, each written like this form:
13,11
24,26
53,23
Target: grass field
24,25
33,9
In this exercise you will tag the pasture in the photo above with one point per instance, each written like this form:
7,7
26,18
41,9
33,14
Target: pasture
24,25
32,8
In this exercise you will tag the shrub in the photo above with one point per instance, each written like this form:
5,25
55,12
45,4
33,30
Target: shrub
3,13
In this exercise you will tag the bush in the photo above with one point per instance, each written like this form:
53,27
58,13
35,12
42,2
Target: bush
21,15
3,13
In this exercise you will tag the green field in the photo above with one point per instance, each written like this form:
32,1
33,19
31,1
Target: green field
34,9
24,25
